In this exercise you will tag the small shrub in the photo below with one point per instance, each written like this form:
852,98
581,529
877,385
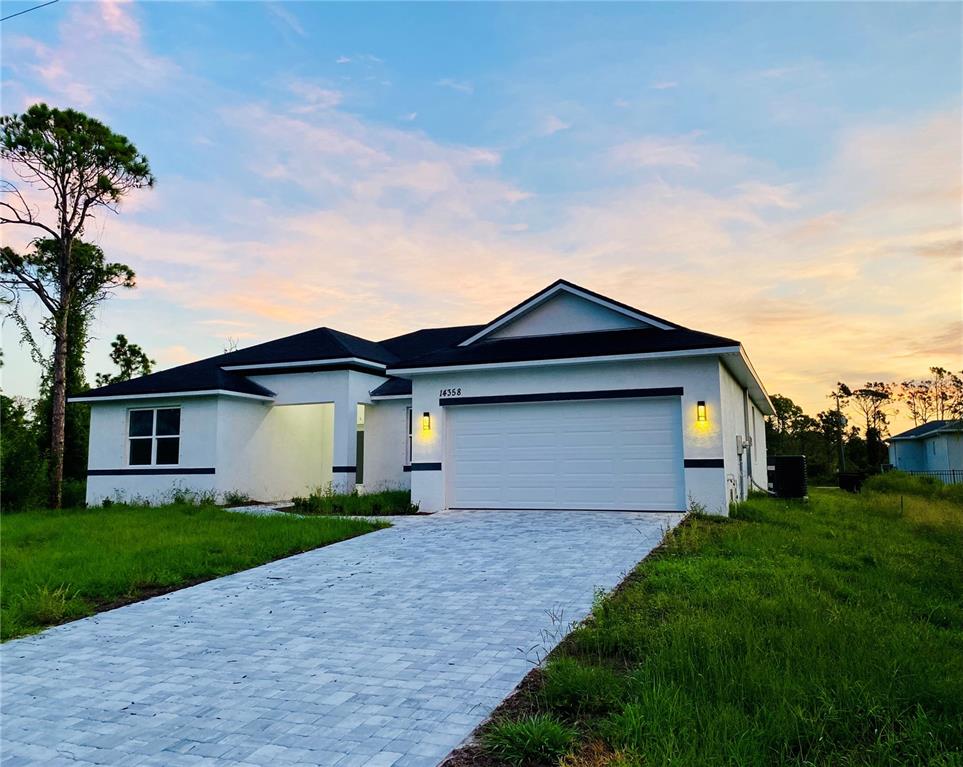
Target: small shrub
381,503
184,497
236,498
534,740
696,508
574,688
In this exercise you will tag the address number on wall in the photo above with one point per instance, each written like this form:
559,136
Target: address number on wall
449,392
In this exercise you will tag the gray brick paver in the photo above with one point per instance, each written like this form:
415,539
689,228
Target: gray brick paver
382,651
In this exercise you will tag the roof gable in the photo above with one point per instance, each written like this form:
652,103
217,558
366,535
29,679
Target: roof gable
565,308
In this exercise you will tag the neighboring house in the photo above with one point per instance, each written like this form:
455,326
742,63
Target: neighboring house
569,400
935,447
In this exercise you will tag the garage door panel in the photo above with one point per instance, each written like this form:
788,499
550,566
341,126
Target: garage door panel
624,454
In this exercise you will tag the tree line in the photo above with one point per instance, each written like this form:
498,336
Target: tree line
850,435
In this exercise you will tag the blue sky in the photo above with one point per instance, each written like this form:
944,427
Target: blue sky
787,174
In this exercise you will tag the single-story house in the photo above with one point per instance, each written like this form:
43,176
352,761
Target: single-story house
569,400
935,447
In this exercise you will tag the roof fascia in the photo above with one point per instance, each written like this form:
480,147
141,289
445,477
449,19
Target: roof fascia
178,394
304,363
719,350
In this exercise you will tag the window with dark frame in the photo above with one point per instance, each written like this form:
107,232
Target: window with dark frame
154,436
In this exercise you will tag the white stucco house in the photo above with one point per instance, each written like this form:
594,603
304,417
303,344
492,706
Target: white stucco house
933,448
569,400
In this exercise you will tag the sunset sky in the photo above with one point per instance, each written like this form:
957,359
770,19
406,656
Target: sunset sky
788,175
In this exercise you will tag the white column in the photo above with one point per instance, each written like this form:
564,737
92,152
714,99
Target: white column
345,446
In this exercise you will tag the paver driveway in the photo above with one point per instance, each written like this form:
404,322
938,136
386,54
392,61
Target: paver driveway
383,650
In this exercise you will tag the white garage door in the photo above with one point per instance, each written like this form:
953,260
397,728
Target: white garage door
608,454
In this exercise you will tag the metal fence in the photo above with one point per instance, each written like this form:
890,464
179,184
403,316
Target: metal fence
947,476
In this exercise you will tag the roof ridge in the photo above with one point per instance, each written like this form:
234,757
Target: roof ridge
336,337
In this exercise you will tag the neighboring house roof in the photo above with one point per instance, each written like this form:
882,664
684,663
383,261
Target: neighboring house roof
929,429
603,343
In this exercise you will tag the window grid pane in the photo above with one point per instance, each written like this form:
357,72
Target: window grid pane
169,422
140,451
141,423
167,450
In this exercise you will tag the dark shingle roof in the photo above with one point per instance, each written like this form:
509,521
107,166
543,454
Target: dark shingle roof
423,341
317,344
393,387
313,345
601,343
929,429
208,374
204,375
422,348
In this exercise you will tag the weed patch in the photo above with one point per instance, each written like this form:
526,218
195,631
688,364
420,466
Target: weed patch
539,740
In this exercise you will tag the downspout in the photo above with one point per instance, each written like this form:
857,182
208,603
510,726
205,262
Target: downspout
748,439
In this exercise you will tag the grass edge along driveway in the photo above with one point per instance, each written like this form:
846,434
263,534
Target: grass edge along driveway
58,566
827,632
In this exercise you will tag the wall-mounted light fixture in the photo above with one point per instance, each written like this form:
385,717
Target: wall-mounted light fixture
701,411
426,421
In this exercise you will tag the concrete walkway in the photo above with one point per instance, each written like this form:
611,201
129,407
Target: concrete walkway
385,650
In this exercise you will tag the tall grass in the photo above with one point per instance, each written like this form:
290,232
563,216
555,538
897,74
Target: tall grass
898,482
355,504
828,632
62,565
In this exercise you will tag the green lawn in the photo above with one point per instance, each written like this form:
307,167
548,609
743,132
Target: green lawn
820,633
58,566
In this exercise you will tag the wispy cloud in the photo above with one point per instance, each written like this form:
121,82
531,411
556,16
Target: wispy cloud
552,124
359,58
82,68
462,86
313,97
280,12
679,151
664,85
409,117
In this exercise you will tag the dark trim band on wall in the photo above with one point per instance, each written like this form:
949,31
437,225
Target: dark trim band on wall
704,463
426,467
344,469
564,396
406,468
144,472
